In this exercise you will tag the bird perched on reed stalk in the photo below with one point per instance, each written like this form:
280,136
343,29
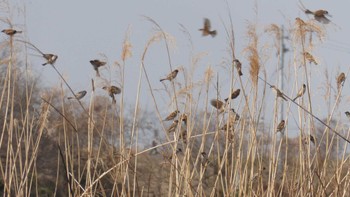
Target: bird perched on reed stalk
312,139
112,90
183,118
78,95
238,65
278,92
301,92
319,15
10,32
310,58
97,64
173,126
340,80
171,76
234,95
49,57
219,105
281,126
206,29
172,115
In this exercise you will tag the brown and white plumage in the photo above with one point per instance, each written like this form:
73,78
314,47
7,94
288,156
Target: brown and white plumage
206,28
234,95
171,76
340,80
49,57
219,105
238,65
112,90
319,15
310,58
10,32
97,64
78,95
172,115
281,126
279,93
301,92
173,126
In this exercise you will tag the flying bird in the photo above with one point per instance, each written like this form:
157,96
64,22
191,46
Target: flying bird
96,64
78,95
310,58
238,66
278,92
301,92
319,15
340,80
281,126
171,76
10,32
234,95
112,90
206,29
172,115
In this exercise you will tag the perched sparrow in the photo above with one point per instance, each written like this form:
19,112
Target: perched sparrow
319,15
238,66
206,29
226,126
218,105
96,64
341,80
300,22
79,95
171,76
204,158
301,92
173,126
172,115
183,136
233,116
279,93
347,113
234,94
112,90
10,32
281,126
51,59
310,58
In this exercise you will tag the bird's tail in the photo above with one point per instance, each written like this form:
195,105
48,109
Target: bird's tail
307,11
44,64
70,98
162,80
240,73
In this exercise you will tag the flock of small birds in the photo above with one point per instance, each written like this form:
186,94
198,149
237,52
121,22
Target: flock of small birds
51,59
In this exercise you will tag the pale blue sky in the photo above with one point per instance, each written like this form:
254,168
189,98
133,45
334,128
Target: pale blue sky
80,30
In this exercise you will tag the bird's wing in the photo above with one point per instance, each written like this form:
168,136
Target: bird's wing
216,103
206,24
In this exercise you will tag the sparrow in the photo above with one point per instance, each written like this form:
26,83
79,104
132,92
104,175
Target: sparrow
50,58
281,126
183,136
238,66
233,116
219,105
301,92
78,95
112,90
310,58
347,113
206,29
234,95
96,64
173,126
204,158
172,115
10,32
178,150
278,92
341,80
226,126
171,76
300,22
319,15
